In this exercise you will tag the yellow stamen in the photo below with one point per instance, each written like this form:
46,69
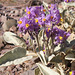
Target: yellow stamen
61,19
60,37
36,15
60,14
43,50
67,0
64,35
51,17
27,25
45,32
70,73
44,10
49,5
48,29
20,22
36,20
28,12
39,25
44,19
25,10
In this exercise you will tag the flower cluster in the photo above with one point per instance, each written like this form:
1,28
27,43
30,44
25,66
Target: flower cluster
29,22
68,1
58,34
37,18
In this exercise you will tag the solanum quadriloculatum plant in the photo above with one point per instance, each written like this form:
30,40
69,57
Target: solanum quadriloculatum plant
37,19
69,0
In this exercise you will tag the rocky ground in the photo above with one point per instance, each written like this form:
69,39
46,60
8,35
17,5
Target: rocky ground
10,12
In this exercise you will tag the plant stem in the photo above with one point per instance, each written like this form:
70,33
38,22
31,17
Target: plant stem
52,46
38,42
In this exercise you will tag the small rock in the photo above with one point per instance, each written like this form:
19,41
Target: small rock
12,66
34,67
1,6
22,12
36,2
18,67
17,12
11,12
29,72
8,24
16,73
4,7
2,69
7,73
4,11
3,18
9,68
14,70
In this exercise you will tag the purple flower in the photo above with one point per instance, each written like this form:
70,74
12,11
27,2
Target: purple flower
58,39
67,1
54,15
60,35
48,30
25,24
21,24
33,11
30,12
44,20
38,10
72,73
53,7
36,28
38,20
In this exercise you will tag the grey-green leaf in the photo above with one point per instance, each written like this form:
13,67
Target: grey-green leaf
17,61
57,59
46,71
71,37
12,38
70,56
42,57
57,48
37,71
15,53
